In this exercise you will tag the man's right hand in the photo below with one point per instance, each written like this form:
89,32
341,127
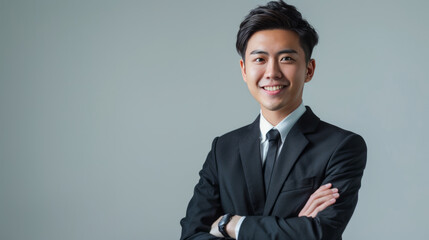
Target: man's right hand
319,201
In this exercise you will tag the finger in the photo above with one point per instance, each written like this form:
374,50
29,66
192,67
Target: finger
320,201
323,207
216,223
321,192
324,192
214,228
313,196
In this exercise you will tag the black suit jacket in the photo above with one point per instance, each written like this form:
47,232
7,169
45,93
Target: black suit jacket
314,153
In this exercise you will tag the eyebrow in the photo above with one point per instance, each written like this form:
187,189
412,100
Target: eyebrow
279,52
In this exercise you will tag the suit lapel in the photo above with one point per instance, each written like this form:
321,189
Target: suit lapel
249,147
294,145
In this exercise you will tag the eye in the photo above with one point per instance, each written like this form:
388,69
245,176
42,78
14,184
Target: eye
259,60
286,59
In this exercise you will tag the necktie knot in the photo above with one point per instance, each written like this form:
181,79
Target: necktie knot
273,135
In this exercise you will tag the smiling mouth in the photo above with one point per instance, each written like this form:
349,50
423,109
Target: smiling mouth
273,88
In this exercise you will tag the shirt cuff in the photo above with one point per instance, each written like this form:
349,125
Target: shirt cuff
237,227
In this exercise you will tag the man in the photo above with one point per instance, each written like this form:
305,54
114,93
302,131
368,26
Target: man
281,176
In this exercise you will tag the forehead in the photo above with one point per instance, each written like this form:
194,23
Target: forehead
274,40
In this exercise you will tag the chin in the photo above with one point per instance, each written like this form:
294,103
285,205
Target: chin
273,108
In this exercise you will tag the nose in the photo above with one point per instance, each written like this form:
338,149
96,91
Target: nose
273,70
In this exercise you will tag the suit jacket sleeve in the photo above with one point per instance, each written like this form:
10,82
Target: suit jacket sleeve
204,207
344,170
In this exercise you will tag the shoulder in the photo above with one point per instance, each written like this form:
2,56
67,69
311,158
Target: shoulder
313,125
236,134
333,130
232,138
334,137
321,133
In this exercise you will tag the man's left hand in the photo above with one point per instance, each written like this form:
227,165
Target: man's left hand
230,227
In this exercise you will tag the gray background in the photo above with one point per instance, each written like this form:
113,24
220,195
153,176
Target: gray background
108,109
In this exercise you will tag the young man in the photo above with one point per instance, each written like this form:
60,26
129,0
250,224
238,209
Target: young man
279,177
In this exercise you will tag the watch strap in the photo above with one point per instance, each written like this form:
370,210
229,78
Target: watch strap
222,224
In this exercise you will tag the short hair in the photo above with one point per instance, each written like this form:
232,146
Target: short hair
277,15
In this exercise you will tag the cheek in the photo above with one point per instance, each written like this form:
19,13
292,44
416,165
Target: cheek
290,70
254,74
295,75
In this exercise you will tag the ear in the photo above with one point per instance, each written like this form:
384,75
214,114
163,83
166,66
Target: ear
243,70
311,66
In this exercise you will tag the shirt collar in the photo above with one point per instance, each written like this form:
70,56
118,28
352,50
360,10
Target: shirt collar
284,126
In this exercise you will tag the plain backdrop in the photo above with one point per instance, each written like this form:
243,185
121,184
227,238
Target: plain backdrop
108,110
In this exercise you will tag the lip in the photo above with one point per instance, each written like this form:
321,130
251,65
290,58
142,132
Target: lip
274,89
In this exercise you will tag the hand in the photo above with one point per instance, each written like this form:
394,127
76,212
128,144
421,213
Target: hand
215,229
230,227
319,201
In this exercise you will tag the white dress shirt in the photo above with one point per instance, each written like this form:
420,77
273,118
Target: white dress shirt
283,127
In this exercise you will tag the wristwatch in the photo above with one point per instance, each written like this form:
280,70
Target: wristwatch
222,224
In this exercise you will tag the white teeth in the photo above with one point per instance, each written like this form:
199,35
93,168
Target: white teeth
273,88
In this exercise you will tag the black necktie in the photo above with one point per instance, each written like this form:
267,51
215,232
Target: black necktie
273,137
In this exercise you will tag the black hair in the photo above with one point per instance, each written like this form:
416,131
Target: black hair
277,15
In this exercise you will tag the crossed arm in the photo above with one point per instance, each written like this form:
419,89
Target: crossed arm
318,201
315,221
